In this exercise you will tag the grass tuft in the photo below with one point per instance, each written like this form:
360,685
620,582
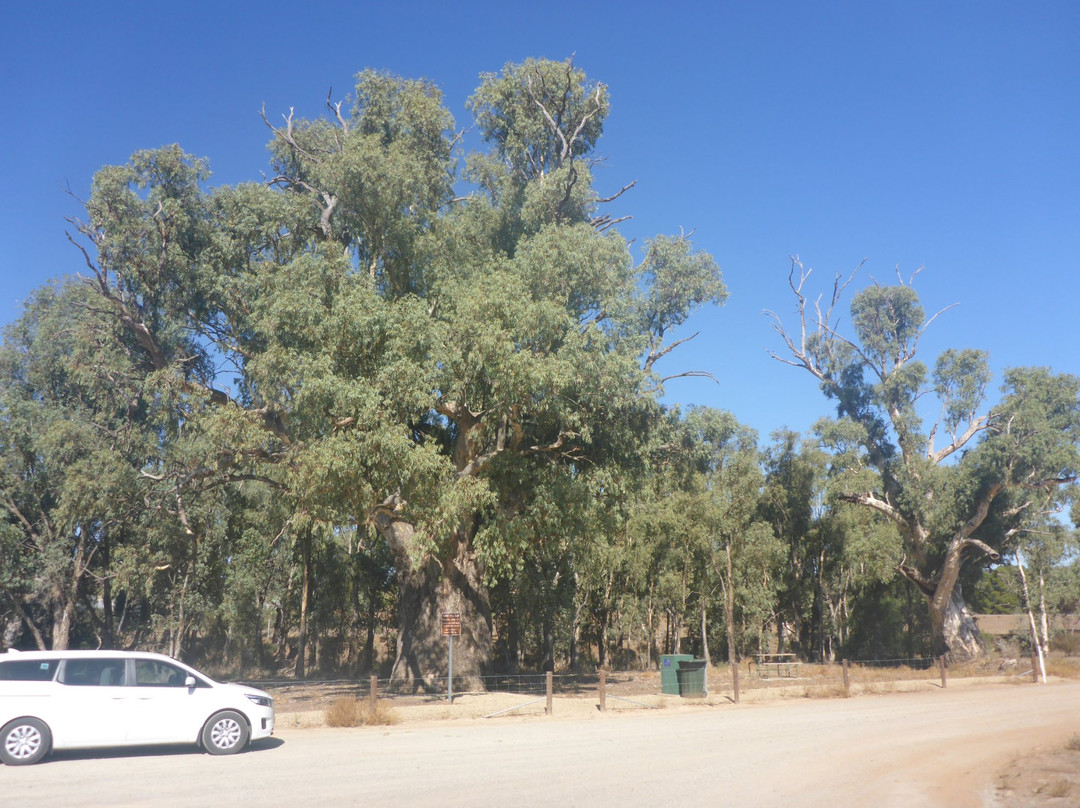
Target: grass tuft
1058,788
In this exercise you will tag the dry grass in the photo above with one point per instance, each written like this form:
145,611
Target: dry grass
1073,744
815,671
832,691
879,687
348,712
1063,667
1056,789
867,675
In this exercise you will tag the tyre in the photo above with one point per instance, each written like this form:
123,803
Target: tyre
24,741
225,733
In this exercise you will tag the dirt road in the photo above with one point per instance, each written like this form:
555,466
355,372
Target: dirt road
909,749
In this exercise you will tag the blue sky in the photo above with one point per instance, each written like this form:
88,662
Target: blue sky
914,134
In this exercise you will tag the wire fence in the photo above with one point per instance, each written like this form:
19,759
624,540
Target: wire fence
637,688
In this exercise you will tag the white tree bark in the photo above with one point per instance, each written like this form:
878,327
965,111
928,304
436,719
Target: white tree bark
1035,638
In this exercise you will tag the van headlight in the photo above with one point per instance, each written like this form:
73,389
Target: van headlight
262,701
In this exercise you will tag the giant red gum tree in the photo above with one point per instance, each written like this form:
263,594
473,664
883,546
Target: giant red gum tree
428,365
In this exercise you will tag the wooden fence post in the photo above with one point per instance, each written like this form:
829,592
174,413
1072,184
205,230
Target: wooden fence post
847,678
374,695
603,690
735,680
547,710
944,675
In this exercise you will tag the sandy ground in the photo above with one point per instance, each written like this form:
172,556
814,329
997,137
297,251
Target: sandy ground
961,746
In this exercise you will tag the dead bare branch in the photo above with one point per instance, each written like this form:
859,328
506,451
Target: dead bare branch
616,195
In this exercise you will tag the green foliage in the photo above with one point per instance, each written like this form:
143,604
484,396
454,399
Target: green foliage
888,623
960,381
539,114
996,592
887,321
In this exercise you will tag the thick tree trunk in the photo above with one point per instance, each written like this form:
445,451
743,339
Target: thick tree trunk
427,589
63,613
953,630
66,597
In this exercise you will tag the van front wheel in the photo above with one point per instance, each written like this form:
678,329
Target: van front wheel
225,733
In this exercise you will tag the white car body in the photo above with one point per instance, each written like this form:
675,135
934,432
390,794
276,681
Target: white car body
90,699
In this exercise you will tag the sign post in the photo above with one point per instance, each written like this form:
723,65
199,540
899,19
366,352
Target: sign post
451,627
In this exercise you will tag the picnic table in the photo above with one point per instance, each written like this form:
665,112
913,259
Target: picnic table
780,665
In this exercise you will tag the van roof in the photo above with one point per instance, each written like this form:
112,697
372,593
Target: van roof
75,653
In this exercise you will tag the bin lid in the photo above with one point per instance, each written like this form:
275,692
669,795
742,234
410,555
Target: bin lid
667,659
691,664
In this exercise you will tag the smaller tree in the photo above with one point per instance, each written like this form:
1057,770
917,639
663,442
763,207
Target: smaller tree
75,430
741,551
952,504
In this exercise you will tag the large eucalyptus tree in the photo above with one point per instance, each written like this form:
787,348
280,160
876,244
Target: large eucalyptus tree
375,349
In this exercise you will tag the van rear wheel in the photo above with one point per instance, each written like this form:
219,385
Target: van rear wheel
24,741
225,733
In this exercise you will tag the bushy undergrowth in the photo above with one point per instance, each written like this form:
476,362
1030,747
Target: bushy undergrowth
346,712
1066,642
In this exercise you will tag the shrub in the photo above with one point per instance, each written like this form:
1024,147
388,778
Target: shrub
343,713
383,714
348,712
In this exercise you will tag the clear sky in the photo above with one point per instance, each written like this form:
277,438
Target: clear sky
938,134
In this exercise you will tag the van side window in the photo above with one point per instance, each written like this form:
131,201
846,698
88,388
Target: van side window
151,673
94,672
28,671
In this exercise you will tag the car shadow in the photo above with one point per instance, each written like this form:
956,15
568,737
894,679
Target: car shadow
261,745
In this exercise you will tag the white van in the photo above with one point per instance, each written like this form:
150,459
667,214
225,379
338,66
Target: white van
89,699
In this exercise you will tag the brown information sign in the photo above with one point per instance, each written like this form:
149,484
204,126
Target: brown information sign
451,624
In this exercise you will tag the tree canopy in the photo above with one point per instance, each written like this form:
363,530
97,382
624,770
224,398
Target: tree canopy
290,423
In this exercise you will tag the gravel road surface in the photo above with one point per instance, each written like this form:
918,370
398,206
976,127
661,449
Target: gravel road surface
941,748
